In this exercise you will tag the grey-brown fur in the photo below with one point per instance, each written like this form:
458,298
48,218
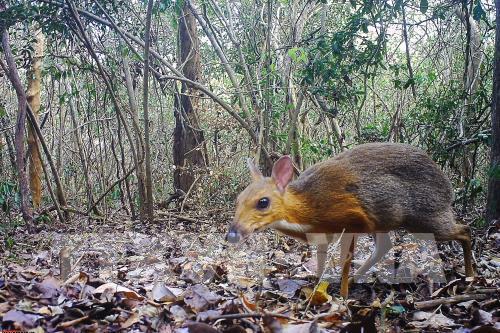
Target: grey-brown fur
398,184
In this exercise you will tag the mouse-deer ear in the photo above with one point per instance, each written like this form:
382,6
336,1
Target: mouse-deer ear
254,170
282,172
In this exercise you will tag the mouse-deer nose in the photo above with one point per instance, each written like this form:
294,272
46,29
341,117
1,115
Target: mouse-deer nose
233,235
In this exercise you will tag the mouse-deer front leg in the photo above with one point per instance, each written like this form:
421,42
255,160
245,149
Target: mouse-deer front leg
347,246
321,256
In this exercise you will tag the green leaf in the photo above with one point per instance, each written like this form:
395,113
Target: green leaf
478,11
424,5
364,27
408,83
292,53
396,309
298,54
2,111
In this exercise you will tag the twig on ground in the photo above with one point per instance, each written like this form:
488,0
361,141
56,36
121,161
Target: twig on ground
70,323
255,315
449,300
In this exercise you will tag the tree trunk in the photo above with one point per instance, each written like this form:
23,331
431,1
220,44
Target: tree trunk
138,139
13,75
189,142
493,209
148,202
34,78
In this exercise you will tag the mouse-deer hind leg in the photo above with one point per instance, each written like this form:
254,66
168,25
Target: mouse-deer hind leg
382,245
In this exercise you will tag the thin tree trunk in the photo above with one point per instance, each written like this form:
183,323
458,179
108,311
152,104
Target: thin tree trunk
2,144
13,75
265,125
296,31
138,137
408,58
107,82
122,164
189,141
60,213
220,53
79,144
493,205
60,191
10,148
335,125
177,75
148,203
34,77
471,79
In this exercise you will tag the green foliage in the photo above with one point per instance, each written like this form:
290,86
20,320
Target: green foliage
8,196
298,54
44,218
374,133
116,193
172,9
424,5
478,12
9,200
480,223
316,150
356,48
9,243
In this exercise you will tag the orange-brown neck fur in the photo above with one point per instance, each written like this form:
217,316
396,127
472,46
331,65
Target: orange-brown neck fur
325,205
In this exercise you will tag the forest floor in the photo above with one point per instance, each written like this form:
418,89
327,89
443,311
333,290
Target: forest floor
180,276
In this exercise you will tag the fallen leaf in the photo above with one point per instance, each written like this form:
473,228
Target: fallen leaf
178,313
27,320
248,304
289,286
44,310
134,318
115,288
206,315
423,319
161,293
48,288
199,297
318,296
302,328
199,328
4,307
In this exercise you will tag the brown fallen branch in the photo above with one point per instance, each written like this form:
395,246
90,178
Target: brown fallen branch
449,300
70,323
255,315
487,290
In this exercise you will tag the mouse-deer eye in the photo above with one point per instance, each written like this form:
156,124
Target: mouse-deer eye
263,203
